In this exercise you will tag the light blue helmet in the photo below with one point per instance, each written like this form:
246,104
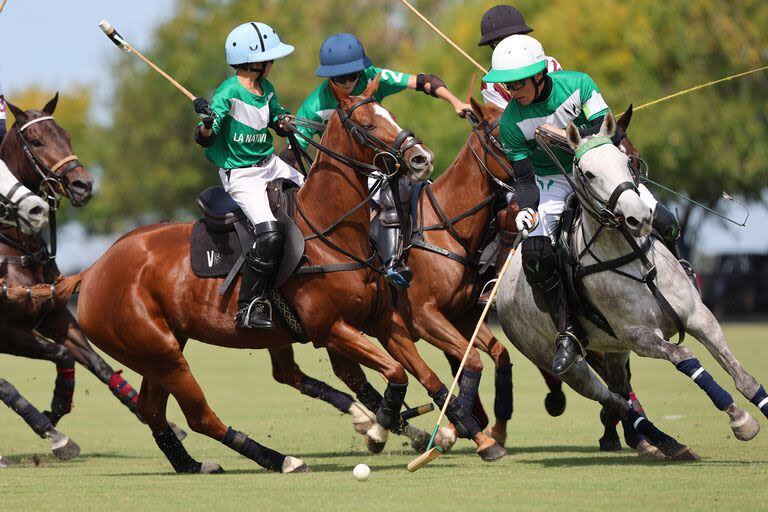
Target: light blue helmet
254,42
342,54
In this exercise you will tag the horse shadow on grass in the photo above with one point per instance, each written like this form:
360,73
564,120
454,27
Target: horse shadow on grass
48,459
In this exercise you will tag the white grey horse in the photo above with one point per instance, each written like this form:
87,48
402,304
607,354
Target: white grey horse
610,205
19,206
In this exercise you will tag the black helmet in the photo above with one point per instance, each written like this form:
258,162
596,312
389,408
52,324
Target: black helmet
501,21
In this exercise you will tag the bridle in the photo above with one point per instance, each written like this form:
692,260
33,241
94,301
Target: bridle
9,208
483,131
53,178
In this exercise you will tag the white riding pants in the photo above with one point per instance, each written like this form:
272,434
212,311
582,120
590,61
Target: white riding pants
248,186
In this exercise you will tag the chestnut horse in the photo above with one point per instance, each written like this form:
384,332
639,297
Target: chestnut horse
140,302
39,154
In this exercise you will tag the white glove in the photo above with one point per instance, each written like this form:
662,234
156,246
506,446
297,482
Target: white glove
526,220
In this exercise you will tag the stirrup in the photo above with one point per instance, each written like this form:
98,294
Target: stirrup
243,317
396,279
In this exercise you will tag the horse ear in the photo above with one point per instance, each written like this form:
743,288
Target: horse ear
372,88
341,97
574,137
477,107
51,105
608,129
16,111
625,118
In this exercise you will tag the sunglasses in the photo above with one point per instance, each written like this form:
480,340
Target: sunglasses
516,85
343,79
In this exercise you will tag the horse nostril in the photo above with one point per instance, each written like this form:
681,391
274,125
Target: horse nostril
633,222
82,185
37,210
419,161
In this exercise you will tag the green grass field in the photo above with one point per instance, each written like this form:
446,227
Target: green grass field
553,463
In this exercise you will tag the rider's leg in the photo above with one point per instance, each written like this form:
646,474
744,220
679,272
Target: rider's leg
253,307
390,235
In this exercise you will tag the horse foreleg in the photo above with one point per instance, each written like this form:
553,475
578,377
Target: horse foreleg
705,328
24,343
395,338
286,371
647,342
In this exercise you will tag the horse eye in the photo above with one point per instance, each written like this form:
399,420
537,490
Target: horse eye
36,143
589,175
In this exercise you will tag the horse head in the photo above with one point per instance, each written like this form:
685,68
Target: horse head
19,206
377,136
40,154
485,125
604,179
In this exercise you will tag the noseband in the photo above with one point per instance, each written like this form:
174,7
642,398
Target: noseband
53,177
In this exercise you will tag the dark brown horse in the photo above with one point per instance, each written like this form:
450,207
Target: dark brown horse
38,152
140,302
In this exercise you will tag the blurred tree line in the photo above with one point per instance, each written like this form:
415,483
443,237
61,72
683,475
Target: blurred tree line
702,143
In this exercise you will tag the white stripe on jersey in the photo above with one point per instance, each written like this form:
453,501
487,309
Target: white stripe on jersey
256,118
566,112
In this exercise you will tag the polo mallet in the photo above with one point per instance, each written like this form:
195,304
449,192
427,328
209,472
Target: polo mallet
121,43
433,451
2,4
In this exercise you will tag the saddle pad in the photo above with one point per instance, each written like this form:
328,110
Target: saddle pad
212,253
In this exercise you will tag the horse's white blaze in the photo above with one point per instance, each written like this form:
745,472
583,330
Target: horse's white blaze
37,220
382,112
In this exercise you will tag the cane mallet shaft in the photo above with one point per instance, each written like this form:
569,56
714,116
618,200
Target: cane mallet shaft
434,452
121,43
2,4
445,38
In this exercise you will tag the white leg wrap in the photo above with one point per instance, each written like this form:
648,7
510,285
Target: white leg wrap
362,418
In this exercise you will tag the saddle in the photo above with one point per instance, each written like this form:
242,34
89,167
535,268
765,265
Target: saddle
223,236
575,294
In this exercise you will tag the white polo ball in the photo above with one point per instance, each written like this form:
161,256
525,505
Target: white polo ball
361,472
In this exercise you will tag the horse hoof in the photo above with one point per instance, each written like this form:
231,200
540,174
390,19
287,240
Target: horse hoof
610,442
554,403
68,451
210,468
178,431
745,428
492,453
646,450
500,437
445,439
685,454
4,463
294,465
376,438
419,439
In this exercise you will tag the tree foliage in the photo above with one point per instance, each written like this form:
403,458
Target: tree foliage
702,143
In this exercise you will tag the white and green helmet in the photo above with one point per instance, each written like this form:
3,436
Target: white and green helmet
516,57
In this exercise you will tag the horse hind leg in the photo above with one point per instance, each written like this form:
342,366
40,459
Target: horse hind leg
705,328
646,342
581,378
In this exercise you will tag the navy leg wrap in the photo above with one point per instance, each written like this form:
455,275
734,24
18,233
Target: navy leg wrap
28,412
468,386
175,452
692,368
369,397
261,455
388,415
645,427
317,389
503,405
63,391
761,400
466,425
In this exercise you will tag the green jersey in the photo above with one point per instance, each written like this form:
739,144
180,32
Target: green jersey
574,97
241,121
321,103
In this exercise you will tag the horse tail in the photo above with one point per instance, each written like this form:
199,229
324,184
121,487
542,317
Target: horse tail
33,298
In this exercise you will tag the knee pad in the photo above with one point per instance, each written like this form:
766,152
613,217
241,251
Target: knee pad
268,245
665,223
388,208
540,262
